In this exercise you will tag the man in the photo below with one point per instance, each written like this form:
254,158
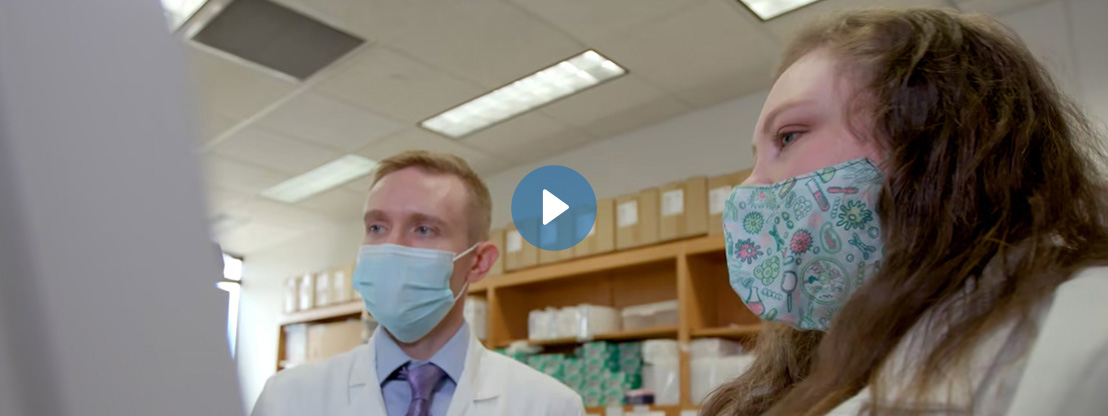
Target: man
426,223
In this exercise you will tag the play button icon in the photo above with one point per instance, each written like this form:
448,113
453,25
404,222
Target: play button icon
553,208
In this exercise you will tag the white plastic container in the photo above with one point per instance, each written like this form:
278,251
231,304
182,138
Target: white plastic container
541,324
292,292
663,378
476,314
706,374
593,320
659,350
713,348
651,315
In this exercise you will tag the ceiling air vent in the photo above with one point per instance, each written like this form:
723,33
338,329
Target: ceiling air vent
276,37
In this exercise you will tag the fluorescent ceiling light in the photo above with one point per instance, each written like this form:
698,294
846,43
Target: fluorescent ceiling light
177,12
768,9
334,173
564,78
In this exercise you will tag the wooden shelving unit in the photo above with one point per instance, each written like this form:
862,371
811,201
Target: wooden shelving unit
692,271
649,333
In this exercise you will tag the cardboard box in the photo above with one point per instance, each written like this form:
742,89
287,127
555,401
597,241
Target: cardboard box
322,289
552,233
306,292
637,219
683,209
326,340
497,238
341,286
719,188
521,254
602,236
292,294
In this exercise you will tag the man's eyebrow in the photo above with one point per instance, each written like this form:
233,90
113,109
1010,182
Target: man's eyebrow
373,214
428,218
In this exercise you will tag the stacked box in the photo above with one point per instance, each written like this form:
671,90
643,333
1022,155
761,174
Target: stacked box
630,362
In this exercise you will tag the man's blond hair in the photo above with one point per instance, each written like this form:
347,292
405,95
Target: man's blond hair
480,207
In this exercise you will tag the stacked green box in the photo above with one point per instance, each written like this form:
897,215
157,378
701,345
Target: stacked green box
630,362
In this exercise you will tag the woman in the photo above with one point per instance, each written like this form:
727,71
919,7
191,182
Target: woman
924,216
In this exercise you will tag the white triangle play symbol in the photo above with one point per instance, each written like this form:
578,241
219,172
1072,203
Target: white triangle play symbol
552,207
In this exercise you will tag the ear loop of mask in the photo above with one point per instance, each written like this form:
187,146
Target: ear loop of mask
466,285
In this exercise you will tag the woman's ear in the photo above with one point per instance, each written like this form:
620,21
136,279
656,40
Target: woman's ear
486,254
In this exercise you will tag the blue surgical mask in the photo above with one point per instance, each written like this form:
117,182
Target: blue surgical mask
406,289
798,249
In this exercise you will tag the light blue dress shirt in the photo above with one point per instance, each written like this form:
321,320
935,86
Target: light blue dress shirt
397,394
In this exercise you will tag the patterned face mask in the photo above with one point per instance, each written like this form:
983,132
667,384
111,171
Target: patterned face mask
798,249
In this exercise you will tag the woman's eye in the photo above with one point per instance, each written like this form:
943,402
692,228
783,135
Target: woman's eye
787,138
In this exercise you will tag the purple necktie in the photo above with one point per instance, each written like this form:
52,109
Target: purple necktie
422,380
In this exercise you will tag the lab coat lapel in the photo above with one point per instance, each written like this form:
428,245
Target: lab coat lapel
477,381
364,392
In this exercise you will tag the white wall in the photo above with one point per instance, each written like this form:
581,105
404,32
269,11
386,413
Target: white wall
263,296
709,141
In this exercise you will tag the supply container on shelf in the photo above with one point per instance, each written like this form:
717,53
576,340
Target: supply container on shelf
650,315
708,373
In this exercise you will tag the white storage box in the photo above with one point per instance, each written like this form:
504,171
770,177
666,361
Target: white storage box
540,324
594,320
651,315
292,299
659,350
476,313
713,348
706,374
306,292
663,378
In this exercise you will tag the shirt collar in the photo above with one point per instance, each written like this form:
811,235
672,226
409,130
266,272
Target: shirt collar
450,358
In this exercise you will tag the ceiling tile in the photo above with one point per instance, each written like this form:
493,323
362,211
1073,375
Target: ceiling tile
487,41
233,89
638,117
322,120
240,177
785,27
221,199
360,185
416,138
259,209
211,124
590,19
273,151
528,137
604,100
339,204
392,84
371,19
730,85
253,236
694,49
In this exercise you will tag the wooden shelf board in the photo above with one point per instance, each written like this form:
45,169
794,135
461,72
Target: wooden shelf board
578,267
707,244
728,331
671,410
326,312
481,286
648,333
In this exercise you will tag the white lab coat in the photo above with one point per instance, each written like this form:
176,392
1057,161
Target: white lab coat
1060,370
346,385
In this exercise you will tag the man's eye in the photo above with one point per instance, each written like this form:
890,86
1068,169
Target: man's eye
375,228
787,138
423,230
